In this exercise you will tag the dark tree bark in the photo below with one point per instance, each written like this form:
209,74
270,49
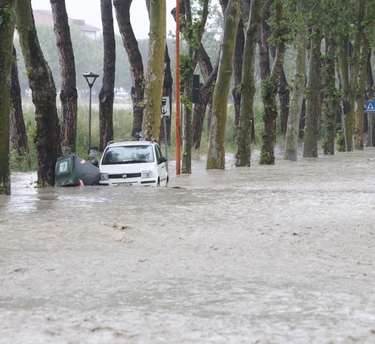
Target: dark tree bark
283,94
284,97
310,148
18,133
269,92
237,71
167,92
43,89
205,92
106,93
205,96
68,94
135,59
330,95
248,88
7,13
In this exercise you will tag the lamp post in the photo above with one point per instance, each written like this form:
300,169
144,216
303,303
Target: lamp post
90,78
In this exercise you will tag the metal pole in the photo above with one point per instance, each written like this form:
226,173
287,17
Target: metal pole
370,129
166,139
89,121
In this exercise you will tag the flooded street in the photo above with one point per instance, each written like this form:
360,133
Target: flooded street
266,254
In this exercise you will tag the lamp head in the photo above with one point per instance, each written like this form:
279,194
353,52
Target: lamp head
90,78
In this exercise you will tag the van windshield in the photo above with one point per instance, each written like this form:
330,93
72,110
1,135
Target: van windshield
128,155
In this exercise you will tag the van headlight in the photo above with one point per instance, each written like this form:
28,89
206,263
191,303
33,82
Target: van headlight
104,176
146,174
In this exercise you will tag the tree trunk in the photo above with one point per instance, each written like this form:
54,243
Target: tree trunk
330,102
68,94
247,88
18,133
7,16
349,69
269,93
296,100
360,99
193,34
237,72
155,71
167,92
216,149
135,59
106,93
205,95
310,149
43,89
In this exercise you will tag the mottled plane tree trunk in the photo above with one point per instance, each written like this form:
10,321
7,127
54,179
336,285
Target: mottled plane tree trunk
360,99
269,91
122,8
7,17
18,133
350,63
216,148
68,93
106,94
237,63
192,32
47,140
330,101
310,147
247,86
205,91
155,71
297,97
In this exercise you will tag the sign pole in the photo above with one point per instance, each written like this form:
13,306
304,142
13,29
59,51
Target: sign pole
177,83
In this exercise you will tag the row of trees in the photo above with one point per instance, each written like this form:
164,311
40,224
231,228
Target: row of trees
332,44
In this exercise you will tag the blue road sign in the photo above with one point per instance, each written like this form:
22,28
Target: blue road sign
370,106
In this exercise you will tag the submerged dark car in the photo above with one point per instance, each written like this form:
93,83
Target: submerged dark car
71,170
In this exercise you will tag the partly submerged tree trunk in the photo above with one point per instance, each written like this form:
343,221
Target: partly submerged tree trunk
68,94
330,101
43,89
135,59
360,96
193,32
7,17
247,87
269,93
106,93
310,149
296,99
155,71
18,133
216,149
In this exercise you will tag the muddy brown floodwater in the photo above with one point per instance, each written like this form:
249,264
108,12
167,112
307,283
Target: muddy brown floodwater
267,254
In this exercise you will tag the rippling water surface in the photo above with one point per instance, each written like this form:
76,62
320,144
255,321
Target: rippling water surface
266,254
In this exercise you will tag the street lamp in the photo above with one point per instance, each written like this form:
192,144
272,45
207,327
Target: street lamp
90,78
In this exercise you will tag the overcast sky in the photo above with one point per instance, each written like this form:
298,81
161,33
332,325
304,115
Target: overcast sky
89,10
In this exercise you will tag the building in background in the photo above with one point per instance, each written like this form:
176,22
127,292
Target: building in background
43,17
